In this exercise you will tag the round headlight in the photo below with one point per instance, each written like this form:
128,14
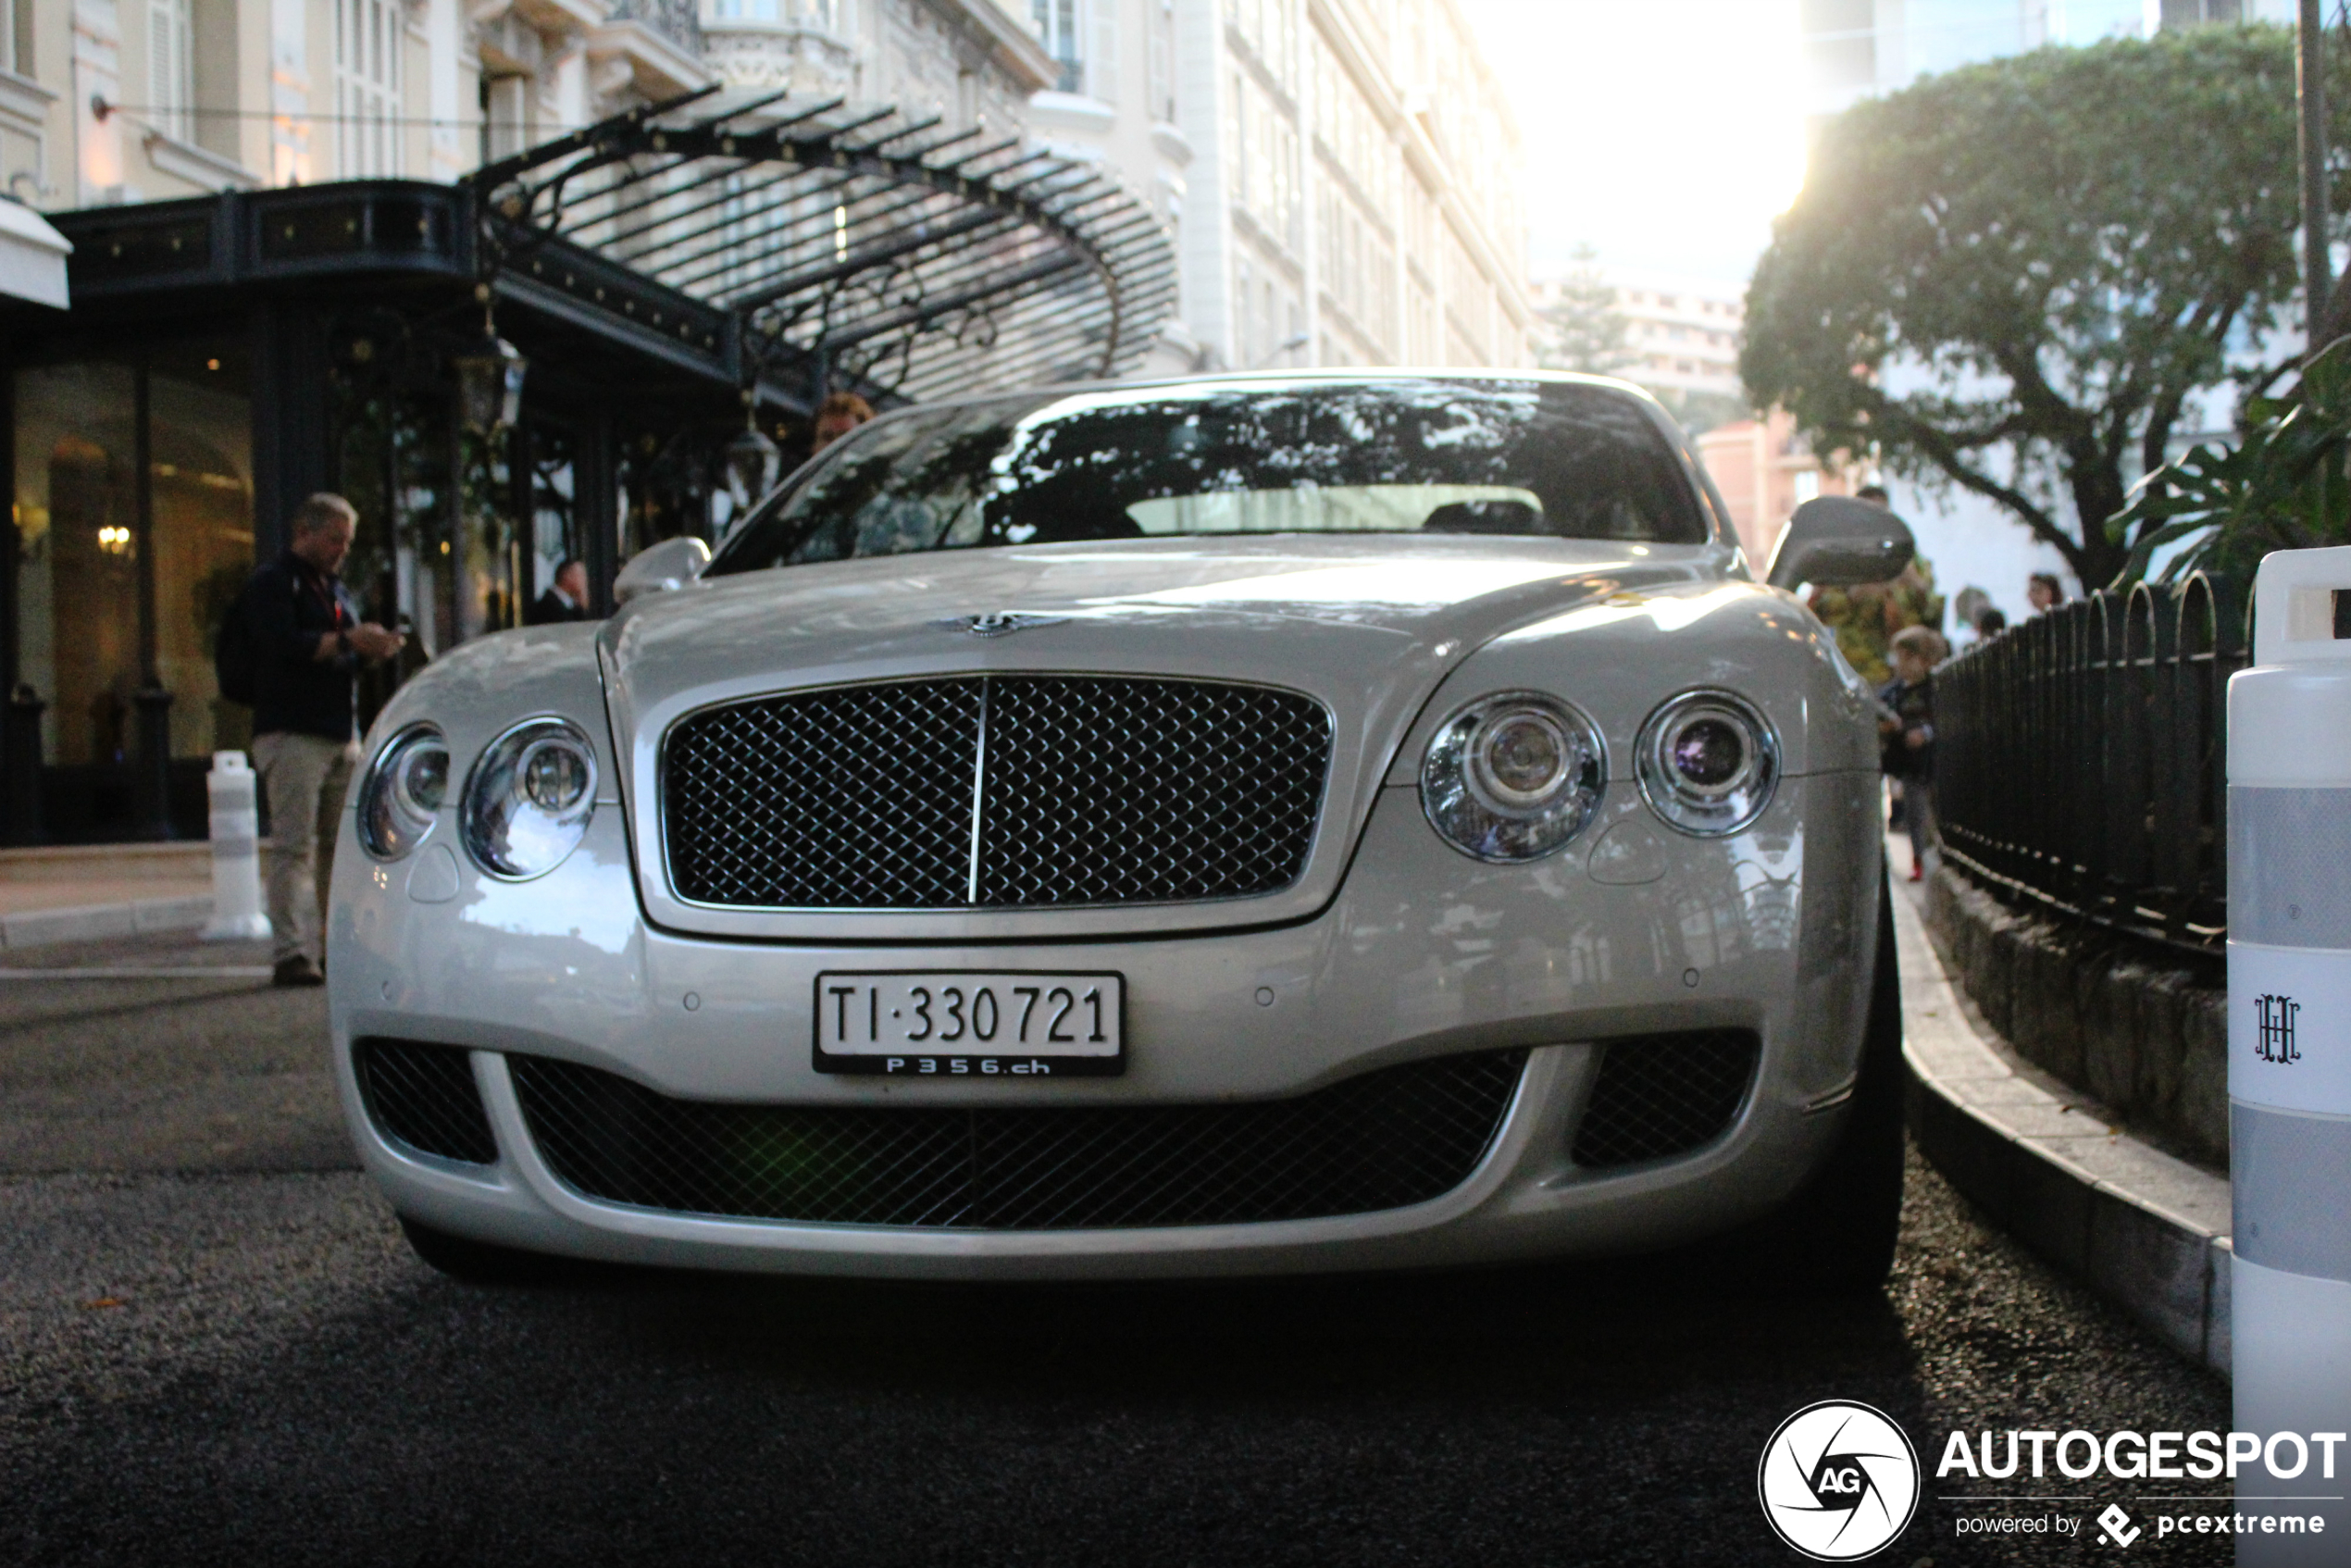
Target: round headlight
1707,763
401,797
530,797
1512,777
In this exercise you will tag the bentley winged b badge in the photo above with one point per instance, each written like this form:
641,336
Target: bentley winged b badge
1001,625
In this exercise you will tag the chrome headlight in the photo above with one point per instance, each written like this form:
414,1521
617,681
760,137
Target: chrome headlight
1512,777
402,796
530,797
1707,763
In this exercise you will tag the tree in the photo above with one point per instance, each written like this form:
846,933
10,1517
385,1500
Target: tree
1588,332
2019,277
2284,485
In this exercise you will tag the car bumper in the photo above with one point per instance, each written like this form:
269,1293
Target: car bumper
1425,954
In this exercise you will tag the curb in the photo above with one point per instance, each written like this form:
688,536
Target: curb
38,928
2148,1231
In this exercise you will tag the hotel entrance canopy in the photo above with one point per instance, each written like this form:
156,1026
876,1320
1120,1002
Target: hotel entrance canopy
809,243
224,357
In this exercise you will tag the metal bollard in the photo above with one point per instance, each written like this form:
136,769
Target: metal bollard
2290,1041
236,852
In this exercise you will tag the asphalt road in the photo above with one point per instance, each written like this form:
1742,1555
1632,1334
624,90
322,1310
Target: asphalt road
216,1348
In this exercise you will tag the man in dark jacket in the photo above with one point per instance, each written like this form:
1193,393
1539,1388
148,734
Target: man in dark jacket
567,601
307,641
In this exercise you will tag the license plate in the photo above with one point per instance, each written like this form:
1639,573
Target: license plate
971,1023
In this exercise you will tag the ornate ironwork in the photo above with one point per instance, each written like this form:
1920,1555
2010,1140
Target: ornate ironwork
849,243
2082,758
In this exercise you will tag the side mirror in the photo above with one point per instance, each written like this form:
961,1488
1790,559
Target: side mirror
1835,542
658,568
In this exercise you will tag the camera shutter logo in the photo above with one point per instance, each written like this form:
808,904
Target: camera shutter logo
1838,1481
2273,1018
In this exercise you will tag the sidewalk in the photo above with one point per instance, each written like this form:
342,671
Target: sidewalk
75,893
2146,1230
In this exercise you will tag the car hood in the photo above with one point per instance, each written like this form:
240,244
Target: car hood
1369,625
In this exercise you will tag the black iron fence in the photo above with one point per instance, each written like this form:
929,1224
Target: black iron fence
2081,757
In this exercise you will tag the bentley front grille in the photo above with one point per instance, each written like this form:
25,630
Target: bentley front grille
424,1096
1659,1096
1398,1136
1006,791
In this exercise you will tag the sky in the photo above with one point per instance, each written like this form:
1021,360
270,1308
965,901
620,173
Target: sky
1667,134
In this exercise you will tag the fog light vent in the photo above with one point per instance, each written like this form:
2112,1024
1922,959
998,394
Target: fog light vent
1663,1095
424,1096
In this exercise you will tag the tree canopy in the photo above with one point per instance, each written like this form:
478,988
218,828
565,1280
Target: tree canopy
2019,276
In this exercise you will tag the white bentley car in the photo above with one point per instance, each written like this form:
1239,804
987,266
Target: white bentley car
1261,824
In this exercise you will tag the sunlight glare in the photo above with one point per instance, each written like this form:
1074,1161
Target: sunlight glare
1666,133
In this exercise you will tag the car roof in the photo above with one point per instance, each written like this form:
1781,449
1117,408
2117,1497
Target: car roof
1247,380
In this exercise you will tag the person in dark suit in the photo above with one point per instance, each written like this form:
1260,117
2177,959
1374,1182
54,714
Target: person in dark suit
567,601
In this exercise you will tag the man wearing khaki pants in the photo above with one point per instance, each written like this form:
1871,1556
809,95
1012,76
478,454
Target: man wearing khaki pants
307,641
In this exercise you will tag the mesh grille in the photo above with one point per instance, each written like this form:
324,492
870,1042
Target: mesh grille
425,1097
1089,790
1663,1095
1389,1139
826,799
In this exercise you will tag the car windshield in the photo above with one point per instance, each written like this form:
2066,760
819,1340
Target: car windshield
1530,458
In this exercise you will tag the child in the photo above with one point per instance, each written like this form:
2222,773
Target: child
1906,729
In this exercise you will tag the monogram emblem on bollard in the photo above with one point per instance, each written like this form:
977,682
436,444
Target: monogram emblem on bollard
2276,1041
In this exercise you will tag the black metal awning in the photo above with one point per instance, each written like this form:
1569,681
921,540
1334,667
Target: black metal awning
844,244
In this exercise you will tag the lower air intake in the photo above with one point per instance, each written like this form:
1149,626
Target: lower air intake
424,1096
1386,1139
1663,1095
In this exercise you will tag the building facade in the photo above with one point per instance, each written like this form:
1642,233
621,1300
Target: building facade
282,268
1341,175
1765,471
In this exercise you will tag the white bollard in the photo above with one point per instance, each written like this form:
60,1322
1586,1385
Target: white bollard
2290,1041
237,914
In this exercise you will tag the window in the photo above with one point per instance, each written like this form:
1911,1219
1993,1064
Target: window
171,72
1162,62
1419,457
505,111
368,40
1057,29
90,546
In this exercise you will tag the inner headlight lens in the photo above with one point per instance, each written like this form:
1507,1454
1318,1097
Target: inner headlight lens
403,795
529,798
1707,762
1514,777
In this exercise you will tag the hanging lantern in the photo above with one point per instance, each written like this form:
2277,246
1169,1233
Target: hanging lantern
753,462
489,376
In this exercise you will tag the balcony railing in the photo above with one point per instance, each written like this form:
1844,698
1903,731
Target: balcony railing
678,20
2082,758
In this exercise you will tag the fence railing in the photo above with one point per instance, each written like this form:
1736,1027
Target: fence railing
2081,757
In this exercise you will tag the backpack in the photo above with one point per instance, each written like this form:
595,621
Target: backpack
232,656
